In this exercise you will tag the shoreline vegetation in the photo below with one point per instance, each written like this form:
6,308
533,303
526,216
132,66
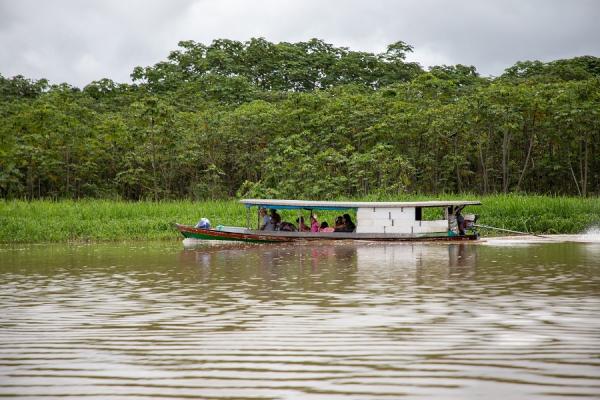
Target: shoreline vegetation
42,221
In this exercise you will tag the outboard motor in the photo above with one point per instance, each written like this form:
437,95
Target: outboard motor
470,220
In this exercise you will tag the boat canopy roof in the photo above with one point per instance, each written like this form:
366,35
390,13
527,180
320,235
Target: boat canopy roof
344,205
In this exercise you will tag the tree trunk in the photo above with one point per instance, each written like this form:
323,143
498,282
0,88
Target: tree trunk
505,160
531,140
153,159
585,169
574,178
68,165
457,164
483,169
30,178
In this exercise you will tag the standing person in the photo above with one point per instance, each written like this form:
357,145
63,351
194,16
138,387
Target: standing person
460,220
275,219
314,224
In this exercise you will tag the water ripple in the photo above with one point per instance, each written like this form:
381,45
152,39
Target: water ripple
345,321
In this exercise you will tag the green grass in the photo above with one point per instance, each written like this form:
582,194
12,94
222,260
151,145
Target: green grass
541,214
105,220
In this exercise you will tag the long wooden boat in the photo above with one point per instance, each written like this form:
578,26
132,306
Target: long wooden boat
375,221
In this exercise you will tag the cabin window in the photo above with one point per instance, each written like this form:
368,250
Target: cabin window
429,214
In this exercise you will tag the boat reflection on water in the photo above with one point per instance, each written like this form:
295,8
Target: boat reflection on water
360,259
459,254
418,255
416,264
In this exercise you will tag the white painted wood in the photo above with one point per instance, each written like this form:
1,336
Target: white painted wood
407,216
399,229
375,222
377,214
431,226
384,216
371,220
273,203
370,229
403,212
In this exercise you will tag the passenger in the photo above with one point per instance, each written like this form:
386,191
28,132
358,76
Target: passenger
275,219
302,227
266,224
350,227
287,227
339,225
325,227
314,224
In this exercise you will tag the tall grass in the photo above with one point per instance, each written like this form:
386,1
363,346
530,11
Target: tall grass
541,214
100,220
105,220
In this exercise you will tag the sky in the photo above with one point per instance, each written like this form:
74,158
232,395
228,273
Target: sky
79,41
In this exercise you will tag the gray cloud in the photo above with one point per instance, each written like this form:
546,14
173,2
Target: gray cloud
78,41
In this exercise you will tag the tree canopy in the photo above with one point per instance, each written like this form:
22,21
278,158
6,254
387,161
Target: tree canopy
304,119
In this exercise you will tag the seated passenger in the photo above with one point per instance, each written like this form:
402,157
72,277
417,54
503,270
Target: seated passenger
287,227
339,225
325,227
302,227
314,224
350,227
265,224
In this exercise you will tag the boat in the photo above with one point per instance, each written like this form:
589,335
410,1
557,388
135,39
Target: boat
375,221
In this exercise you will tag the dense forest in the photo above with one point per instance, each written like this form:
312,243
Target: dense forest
304,120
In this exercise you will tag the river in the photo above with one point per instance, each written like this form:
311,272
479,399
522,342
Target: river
316,321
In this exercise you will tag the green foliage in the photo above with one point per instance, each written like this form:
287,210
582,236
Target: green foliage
97,220
306,120
303,66
574,69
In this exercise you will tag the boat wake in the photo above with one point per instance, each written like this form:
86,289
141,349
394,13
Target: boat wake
592,235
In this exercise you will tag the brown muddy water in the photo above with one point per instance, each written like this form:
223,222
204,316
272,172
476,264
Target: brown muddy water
317,321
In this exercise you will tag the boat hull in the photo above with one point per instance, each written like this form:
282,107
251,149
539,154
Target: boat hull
253,236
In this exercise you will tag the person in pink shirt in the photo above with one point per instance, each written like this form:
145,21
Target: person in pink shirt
326,228
314,224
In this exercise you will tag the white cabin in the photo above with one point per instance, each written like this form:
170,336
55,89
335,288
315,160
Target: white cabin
395,220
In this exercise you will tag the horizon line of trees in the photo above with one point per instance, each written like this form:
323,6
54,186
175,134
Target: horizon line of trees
304,119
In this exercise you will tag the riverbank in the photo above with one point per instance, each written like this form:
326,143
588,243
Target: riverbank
106,220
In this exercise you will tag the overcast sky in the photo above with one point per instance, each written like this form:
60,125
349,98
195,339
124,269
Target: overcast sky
78,41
